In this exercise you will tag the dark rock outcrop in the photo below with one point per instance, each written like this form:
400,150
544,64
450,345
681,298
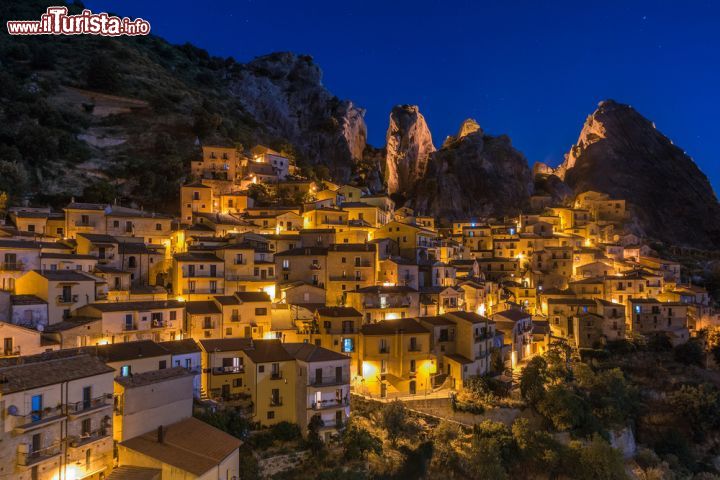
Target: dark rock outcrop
283,92
408,145
474,175
621,153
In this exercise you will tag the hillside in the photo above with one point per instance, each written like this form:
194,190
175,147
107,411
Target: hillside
62,135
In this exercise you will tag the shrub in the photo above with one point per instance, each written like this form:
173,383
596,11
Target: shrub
690,353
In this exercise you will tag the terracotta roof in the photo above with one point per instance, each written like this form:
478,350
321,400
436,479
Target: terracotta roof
117,352
65,276
181,449
197,257
266,351
308,352
179,347
512,315
225,344
201,307
39,373
338,312
471,317
249,297
26,300
129,472
137,305
390,327
153,376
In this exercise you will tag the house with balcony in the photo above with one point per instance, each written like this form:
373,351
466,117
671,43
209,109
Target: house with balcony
398,271
517,330
195,198
131,358
648,316
187,354
64,290
379,302
57,417
39,221
413,241
144,401
160,320
174,451
336,329
350,266
224,373
198,275
395,359
245,314
84,218
436,300
19,340
475,341
203,319
306,264
323,387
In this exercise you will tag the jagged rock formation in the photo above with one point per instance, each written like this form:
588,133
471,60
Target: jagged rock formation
407,148
284,93
468,126
621,153
474,175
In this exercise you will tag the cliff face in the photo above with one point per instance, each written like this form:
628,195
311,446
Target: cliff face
621,153
407,148
284,93
474,175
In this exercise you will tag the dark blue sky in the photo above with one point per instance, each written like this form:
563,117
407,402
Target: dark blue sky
533,70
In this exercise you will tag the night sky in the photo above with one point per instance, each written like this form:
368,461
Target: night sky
533,70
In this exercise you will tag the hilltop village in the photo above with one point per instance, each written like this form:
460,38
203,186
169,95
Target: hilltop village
282,298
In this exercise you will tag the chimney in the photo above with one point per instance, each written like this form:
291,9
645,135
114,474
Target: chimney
160,434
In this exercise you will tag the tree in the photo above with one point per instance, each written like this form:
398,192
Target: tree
314,443
358,442
102,74
482,460
599,460
690,353
394,420
533,379
539,451
565,409
445,455
558,361
698,406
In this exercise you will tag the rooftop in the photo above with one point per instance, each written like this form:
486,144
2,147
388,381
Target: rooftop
182,449
47,369
153,376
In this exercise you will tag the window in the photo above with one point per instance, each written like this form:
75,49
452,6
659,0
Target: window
228,331
86,427
261,368
207,323
31,228
162,364
237,382
347,345
125,371
270,415
260,312
158,226
412,366
173,315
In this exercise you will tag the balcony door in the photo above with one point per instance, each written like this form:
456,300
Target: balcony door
36,406
318,375
87,397
338,374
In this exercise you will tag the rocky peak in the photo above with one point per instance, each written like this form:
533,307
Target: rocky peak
621,153
468,127
407,149
283,92
474,175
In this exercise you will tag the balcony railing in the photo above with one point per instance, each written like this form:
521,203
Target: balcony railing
228,370
415,348
67,299
203,274
28,459
329,381
12,266
384,350
130,327
276,376
76,441
214,291
276,402
38,418
315,266
89,405
330,403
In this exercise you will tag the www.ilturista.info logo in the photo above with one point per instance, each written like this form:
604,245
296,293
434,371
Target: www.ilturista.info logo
56,21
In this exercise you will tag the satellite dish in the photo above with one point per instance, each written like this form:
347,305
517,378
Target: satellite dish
12,410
